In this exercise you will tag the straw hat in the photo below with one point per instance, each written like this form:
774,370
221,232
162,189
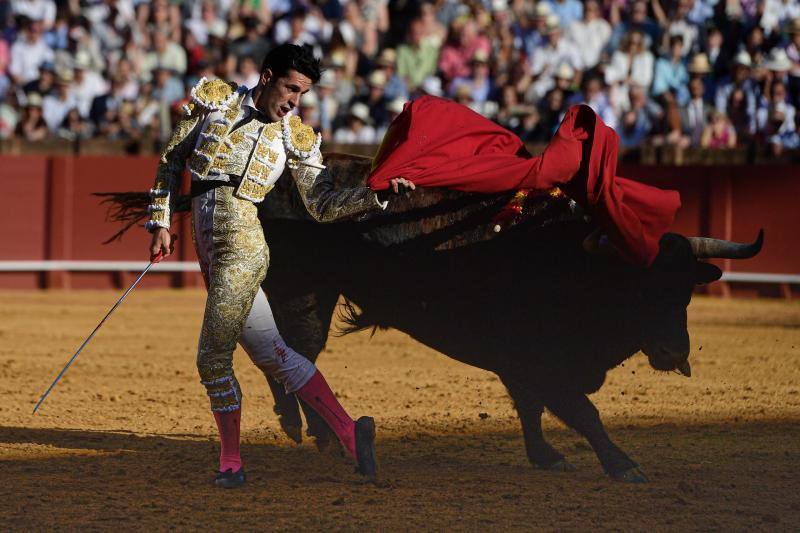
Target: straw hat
542,10
565,72
778,60
743,59
327,80
360,111
480,56
396,105
553,23
387,58
34,100
377,79
65,77
699,64
309,100
432,86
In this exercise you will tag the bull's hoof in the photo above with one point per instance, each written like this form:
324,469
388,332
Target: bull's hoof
330,446
292,430
632,475
561,465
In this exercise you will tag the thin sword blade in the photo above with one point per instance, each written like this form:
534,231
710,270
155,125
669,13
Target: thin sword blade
75,355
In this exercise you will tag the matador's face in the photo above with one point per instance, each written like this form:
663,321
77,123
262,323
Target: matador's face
278,96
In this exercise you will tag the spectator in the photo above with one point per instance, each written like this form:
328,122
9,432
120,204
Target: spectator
39,10
56,106
165,54
695,112
548,58
719,134
637,21
416,59
679,25
590,35
359,128
28,53
595,96
568,11
395,86
637,118
248,72
793,53
5,58
478,82
456,55
309,110
328,105
88,85
632,64
551,112
46,82
745,102
74,127
375,98
32,127
393,108
433,31
671,74
776,120
536,36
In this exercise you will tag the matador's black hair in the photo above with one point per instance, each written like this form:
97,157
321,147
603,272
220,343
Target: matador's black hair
283,58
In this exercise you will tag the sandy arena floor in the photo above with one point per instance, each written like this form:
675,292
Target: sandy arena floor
126,440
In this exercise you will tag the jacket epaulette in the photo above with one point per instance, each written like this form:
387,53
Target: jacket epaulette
299,139
212,95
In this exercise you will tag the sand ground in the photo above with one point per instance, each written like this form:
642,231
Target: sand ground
126,441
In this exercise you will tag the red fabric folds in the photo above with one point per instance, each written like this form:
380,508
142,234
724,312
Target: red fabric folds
439,143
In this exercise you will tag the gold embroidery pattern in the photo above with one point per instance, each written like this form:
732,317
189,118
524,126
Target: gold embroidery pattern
323,201
238,267
170,172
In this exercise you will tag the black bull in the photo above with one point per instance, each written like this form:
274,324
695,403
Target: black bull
529,304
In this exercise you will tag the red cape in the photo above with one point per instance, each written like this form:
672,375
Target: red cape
439,143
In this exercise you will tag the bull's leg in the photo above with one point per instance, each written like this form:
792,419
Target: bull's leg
529,408
579,413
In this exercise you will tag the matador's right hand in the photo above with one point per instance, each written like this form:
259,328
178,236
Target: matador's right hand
162,242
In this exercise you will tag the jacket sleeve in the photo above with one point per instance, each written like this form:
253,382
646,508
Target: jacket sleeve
323,201
169,175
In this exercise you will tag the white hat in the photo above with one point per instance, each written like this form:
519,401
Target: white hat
499,5
396,105
377,78
309,100
34,100
565,72
432,86
327,80
553,23
361,112
743,58
699,64
82,60
542,10
778,60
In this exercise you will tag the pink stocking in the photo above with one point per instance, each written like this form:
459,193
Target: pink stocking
319,396
228,425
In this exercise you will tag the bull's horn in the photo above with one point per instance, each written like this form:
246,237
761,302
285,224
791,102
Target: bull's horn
705,248
685,369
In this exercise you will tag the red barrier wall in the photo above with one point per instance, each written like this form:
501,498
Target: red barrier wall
50,214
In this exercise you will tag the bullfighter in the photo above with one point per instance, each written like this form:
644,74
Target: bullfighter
237,143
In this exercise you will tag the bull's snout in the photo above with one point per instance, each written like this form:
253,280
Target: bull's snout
669,356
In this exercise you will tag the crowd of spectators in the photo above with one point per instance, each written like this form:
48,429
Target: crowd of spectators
710,73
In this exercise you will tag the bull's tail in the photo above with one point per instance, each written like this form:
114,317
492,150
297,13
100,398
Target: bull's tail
130,209
353,320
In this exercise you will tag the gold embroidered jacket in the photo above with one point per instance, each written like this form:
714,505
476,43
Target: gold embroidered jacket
218,145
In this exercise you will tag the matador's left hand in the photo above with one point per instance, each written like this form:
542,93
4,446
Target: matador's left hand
401,185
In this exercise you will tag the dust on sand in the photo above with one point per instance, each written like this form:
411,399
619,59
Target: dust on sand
126,440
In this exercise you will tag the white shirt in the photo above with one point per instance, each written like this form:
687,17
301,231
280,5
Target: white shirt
44,10
589,38
87,90
27,57
54,110
641,68
366,135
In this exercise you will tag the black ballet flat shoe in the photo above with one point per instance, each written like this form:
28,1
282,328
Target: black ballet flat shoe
230,479
365,448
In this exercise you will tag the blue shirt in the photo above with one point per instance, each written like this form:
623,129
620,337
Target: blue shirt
671,76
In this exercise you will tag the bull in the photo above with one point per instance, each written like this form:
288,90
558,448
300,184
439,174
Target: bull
529,304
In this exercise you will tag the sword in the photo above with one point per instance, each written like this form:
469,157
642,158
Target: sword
155,259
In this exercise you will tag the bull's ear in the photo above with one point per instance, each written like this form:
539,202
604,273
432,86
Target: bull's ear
706,273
